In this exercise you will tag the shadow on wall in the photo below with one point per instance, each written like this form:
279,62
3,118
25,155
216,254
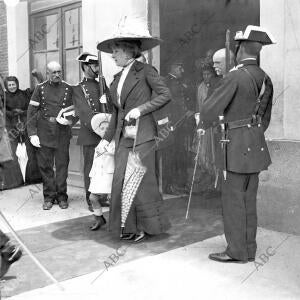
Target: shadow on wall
279,192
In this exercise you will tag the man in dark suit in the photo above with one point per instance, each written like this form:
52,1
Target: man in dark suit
50,132
86,95
244,99
174,149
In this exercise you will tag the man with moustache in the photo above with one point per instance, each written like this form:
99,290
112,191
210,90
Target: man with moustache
86,95
50,132
219,61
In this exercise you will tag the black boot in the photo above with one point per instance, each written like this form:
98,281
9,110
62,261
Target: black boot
99,221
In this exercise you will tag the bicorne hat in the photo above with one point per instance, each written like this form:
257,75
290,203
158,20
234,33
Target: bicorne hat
88,58
255,34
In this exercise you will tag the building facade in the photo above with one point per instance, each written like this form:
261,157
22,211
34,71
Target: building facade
34,32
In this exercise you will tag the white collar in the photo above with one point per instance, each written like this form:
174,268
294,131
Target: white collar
172,75
249,58
128,66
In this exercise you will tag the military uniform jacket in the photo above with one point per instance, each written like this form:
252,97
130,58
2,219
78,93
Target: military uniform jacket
236,99
143,89
87,105
46,102
179,104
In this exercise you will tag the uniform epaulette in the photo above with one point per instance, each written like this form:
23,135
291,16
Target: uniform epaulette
236,68
65,83
42,83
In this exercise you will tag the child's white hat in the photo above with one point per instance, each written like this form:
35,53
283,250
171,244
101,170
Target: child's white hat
98,119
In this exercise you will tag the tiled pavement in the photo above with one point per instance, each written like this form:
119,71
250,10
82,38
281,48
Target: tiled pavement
171,266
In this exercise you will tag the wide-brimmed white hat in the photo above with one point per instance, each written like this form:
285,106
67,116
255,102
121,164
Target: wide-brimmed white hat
130,29
98,119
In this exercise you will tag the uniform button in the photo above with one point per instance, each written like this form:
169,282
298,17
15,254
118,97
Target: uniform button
65,98
249,126
258,125
262,149
249,149
67,88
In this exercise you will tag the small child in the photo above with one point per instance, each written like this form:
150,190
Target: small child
101,173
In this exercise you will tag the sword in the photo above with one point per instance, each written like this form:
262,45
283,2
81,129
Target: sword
224,142
194,174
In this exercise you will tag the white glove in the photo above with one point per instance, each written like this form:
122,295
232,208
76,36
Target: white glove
197,118
35,141
133,114
103,99
61,120
101,147
200,132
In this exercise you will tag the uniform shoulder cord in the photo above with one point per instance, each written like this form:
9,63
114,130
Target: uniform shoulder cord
85,95
260,94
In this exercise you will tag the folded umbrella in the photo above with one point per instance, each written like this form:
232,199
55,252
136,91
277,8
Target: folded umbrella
134,174
21,153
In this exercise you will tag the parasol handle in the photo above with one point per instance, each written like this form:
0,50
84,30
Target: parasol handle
137,128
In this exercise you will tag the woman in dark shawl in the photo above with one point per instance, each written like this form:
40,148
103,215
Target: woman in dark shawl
17,101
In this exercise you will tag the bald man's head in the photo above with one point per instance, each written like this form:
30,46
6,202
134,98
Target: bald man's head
219,59
54,71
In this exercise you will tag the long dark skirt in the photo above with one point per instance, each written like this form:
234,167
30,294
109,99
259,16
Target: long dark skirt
33,174
10,173
146,213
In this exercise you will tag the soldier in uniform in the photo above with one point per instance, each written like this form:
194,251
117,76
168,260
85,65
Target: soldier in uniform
86,95
175,152
50,131
244,99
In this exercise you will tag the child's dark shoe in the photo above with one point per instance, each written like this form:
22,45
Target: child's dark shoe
99,221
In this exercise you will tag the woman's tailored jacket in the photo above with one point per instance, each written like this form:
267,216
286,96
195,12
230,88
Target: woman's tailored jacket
136,93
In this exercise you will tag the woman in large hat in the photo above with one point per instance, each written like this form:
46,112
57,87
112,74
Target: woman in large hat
131,92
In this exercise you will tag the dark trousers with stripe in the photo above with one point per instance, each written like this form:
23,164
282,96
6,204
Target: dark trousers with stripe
54,183
239,193
88,157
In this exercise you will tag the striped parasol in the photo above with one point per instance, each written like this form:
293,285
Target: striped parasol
134,174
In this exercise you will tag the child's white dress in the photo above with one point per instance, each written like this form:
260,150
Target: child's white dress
102,171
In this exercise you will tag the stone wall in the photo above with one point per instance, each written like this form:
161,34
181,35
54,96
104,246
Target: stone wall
3,41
